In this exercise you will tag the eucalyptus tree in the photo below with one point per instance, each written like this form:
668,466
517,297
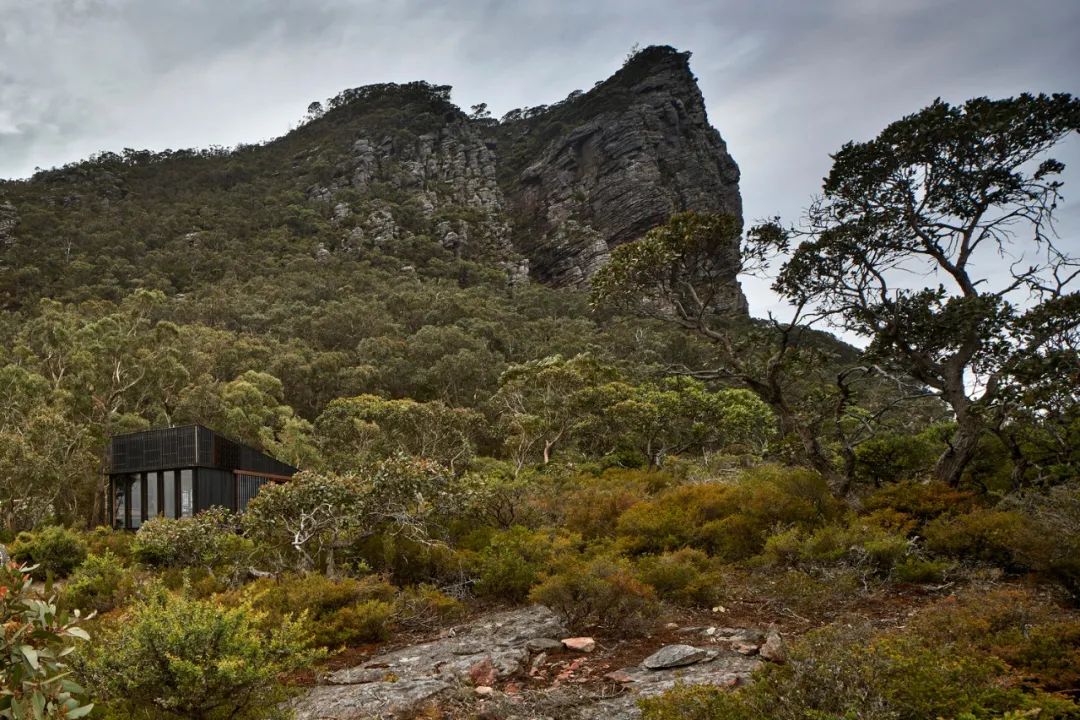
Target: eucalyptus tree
936,242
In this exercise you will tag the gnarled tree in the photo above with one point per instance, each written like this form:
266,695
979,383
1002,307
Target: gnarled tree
962,197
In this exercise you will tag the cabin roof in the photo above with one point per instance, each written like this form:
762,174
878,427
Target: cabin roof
188,446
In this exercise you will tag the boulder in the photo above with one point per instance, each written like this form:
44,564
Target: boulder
672,656
544,645
773,648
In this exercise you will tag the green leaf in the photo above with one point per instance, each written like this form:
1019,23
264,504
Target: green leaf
31,655
78,632
37,701
81,711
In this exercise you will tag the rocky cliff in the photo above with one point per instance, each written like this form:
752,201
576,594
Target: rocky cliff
561,185
603,167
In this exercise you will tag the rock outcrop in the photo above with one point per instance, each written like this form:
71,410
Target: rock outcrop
512,665
401,682
547,191
446,174
613,163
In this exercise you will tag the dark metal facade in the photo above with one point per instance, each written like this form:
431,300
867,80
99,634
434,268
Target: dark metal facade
179,471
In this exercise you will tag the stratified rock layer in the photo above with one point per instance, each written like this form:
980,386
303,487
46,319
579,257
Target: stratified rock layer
620,160
547,191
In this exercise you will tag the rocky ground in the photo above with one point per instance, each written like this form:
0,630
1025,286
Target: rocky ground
522,665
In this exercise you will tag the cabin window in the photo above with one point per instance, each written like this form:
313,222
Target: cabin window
168,493
135,499
119,500
152,508
187,495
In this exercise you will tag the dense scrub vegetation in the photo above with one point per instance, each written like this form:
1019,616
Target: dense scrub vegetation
469,442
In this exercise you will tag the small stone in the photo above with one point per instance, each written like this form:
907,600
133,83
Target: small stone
710,631
744,648
671,626
672,656
719,609
484,690
543,645
482,672
579,644
537,663
773,648
619,676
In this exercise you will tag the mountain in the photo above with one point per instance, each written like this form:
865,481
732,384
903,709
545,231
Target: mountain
383,171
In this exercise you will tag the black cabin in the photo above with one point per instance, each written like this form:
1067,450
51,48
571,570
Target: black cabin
179,471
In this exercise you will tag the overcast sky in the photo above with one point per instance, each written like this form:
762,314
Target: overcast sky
785,81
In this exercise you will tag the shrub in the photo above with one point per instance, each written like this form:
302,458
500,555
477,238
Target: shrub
982,534
301,524
365,621
512,563
806,594
686,577
208,540
892,457
602,592
593,508
856,544
1049,539
731,521
197,582
672,520
425,607
916,570
100,583
1036,638
177,657
409,561
502,497
842,672
56,550
338,611
118,542
36,638
921,501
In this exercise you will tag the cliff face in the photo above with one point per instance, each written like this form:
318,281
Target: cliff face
612,163
446,174
561,185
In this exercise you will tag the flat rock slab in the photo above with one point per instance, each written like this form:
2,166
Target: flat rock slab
673,656
544,645
727,670
401,698
395,683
